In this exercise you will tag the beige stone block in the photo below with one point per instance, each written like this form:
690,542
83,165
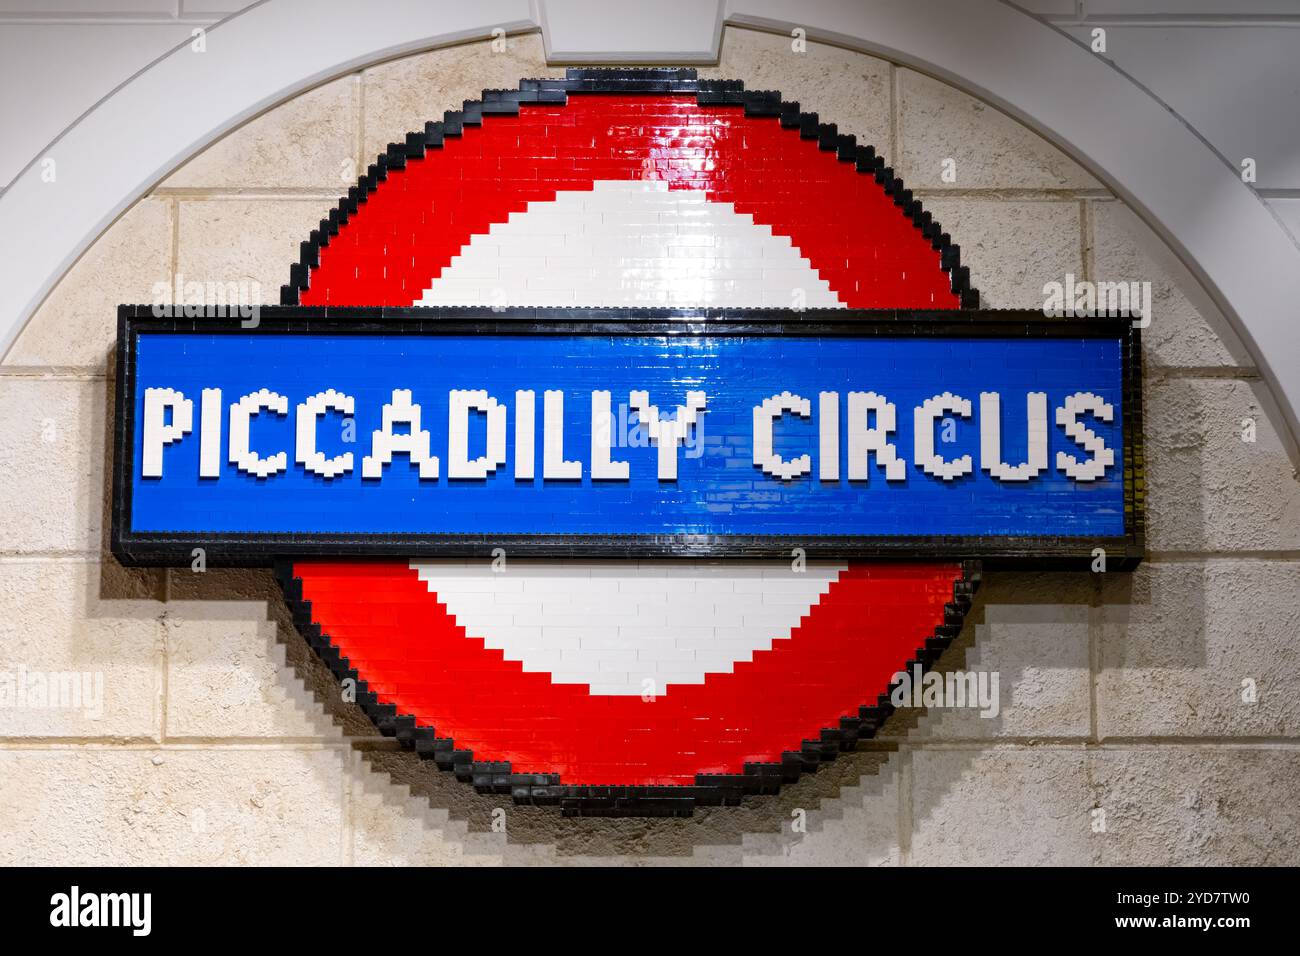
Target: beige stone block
1013,248
1207,489
251,242
402,95
309,141
82,656
1019,806
1198,806
179,807
77,323
53,434
937,122
851,90
1125,250
1179,639
1031,630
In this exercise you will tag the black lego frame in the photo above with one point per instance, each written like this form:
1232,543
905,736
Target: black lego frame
160,548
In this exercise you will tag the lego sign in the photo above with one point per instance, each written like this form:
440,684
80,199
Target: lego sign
623,442
437,433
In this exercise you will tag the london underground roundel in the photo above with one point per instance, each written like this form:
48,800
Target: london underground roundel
623,437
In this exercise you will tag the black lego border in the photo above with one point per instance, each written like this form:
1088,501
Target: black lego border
249,548
672,80
548,790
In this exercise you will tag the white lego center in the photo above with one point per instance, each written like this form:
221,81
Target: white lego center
628,627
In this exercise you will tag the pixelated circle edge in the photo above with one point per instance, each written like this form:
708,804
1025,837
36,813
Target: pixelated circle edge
548,789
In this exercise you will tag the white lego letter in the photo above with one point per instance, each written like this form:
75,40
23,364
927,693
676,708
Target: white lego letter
866,439
241,415
1067,417
210,411
157,434
525,413
924,417
828,435
459,403
991,437
667,434
415,443
309,414
553,463
602,428
765,415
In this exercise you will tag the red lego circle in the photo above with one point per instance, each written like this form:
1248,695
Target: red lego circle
461,696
